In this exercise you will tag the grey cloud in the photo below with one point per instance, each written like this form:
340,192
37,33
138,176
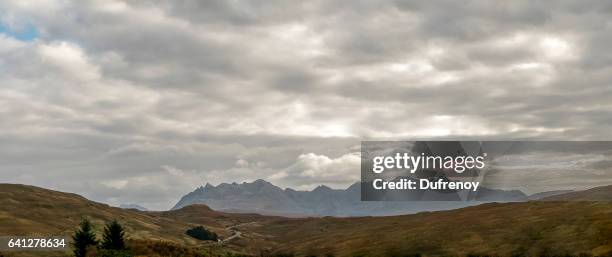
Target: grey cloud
605,164
113,91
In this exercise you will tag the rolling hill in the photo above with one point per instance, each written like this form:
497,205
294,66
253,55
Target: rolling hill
494,229
533,228
29,211
603,193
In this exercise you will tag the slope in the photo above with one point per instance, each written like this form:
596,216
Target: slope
29,211
603,193
494,229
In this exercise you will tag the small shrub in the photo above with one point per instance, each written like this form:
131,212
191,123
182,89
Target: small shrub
201,233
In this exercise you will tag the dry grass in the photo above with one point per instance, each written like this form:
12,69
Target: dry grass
512,229
30,211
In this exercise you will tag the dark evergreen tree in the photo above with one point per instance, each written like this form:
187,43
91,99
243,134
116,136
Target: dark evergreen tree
113,238
83,238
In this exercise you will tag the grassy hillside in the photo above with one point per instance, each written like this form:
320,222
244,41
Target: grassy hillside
511,229
603,193
28,210
538,228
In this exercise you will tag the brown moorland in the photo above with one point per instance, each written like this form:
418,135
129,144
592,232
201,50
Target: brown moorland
536,228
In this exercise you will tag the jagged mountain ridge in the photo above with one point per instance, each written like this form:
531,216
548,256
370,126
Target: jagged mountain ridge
263,197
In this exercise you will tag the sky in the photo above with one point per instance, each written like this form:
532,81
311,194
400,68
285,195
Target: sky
142,101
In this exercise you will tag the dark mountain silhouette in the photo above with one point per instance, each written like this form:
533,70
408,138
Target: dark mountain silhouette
263,197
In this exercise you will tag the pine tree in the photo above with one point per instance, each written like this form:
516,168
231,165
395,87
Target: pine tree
83,238
113,238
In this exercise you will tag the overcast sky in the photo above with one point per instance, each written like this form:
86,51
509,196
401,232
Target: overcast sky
142,101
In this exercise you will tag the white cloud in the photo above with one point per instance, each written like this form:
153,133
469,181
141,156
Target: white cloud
70,60
311,170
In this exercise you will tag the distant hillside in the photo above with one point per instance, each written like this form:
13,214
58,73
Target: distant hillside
541,195
263,197
133,206
603,193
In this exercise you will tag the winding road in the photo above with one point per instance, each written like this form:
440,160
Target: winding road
235,233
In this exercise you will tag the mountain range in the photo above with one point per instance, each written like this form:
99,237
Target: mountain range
263,197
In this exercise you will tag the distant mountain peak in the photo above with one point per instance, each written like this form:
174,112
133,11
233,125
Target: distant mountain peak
322,188
133,206
259,180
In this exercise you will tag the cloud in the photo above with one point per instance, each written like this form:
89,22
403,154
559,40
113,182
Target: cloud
112,90
311,170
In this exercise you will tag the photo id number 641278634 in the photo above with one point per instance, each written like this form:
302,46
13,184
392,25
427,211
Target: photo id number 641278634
21,243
